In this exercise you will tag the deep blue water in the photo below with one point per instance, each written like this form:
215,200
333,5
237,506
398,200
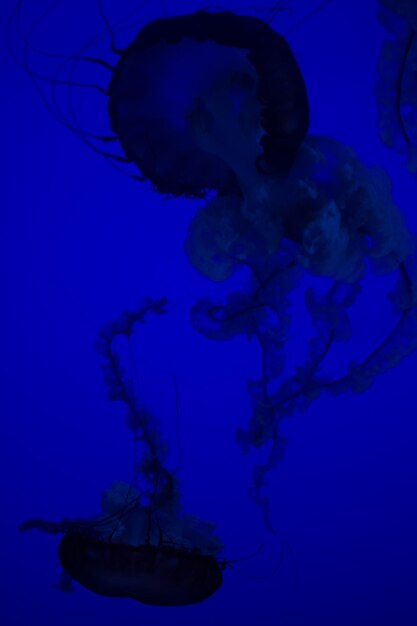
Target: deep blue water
81,243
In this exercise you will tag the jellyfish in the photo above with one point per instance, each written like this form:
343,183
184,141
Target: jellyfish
213,105
176,76
184,75
142,545
396,87
299,205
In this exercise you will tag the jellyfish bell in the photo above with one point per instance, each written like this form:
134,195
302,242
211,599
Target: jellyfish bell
116,556
158,575
198,101
210,101
173,561
162,574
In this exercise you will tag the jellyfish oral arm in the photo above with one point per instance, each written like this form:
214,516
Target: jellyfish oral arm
396,86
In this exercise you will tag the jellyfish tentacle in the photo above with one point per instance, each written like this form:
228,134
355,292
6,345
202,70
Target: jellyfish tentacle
108,28
396,86
262,314
401,75
399,343
140,421
249,315
54,79
296,391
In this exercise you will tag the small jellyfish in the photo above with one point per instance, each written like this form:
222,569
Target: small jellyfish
142,545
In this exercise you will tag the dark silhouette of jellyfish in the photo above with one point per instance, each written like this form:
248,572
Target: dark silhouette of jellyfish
142,546
173,85
214,103
191,92
159,575
396,88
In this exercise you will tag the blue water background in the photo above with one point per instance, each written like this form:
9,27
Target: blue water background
80,243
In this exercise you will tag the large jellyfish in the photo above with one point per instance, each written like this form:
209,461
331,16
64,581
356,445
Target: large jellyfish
213,105
142,545
285,203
